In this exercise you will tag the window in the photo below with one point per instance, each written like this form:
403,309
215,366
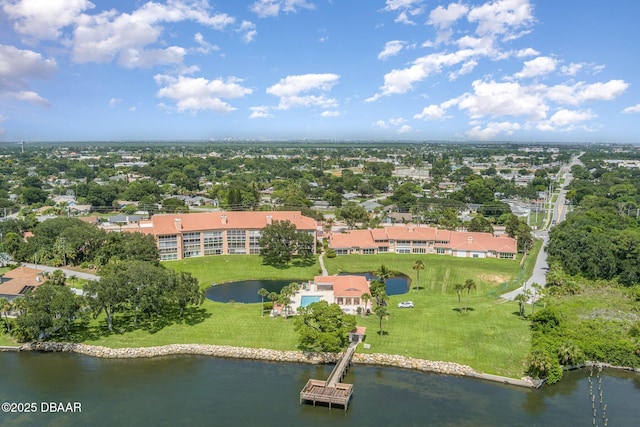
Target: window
403,251
419,250
191,245
383,249
506,255
236,242
168,247
368,251
254,241
440,251
213,242
342,251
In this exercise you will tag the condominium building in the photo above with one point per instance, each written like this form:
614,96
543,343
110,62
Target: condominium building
181,236
414,239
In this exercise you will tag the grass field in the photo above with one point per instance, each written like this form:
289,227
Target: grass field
488,337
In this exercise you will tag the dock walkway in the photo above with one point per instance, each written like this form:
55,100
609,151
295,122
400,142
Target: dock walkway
331,391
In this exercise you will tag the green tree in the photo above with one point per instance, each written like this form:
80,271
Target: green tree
366,298
5,308
417,266
521,299
459,287
263,293
185,290
352,213
323,327
56,278
469,285
108,295
48,311
278,242
480,224
570,354
382,312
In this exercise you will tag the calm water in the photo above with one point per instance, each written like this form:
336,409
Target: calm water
397,285
246,291
201,391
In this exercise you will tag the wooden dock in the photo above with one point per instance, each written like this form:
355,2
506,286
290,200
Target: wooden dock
331,391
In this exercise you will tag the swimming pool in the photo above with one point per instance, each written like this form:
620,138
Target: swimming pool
305,300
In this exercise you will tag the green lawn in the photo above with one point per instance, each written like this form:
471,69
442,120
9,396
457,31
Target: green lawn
230,268
489,337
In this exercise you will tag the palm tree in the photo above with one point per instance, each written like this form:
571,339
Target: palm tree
570,354
383,273
263,293
381,312
417,266
5,309
459,287
538,294
521,299
469,284
273,296
365,298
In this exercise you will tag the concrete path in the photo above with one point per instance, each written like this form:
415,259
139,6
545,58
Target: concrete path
322,267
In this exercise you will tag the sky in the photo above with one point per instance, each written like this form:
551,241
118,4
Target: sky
423,70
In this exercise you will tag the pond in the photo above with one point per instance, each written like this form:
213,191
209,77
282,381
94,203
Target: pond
246,291
396,285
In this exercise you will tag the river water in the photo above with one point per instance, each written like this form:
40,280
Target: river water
204,391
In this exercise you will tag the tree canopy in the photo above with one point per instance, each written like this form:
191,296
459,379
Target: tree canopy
323,327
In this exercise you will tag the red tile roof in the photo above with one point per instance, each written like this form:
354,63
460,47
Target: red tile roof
346,286
171,223
17,279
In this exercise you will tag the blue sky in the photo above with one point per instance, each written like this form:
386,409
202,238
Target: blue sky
504,70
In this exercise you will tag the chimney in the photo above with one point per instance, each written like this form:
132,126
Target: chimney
269,220
469,239
178,223
223,219
410,229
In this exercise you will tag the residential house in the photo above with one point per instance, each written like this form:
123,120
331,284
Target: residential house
346,291
15,283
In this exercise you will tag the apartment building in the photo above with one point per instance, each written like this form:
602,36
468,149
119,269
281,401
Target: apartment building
414,239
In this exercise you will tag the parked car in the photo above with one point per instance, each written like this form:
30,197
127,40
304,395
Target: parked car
405,304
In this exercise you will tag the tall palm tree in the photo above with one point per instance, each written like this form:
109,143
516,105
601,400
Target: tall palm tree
263,293
383,272
521,299
381,312
273,296
417,266
366,298
538,294
469,284
5,309
459,287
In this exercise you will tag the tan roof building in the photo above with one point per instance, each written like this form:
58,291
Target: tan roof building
415,239
215,233
15,283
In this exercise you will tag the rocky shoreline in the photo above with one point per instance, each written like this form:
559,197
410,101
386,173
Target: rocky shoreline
262,354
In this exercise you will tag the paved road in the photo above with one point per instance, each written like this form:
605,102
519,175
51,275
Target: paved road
557,214
69,273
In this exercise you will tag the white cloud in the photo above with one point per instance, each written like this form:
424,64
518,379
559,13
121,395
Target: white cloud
44,19
432,112
333,113
565,119
269,8
523,53
503,99
502,17
537,67
109,35
466,68
443,17
260,112
404,8
381,124
205,46
632,109
17,66
292,91
193,94
391,48
492,130
405,129
248,30
581,92
114,101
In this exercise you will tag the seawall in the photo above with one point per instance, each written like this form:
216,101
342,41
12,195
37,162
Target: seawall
396,361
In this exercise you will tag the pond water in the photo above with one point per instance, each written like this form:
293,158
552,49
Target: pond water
203,391
397,285
245,291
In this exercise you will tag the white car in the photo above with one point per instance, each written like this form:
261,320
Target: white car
405,304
